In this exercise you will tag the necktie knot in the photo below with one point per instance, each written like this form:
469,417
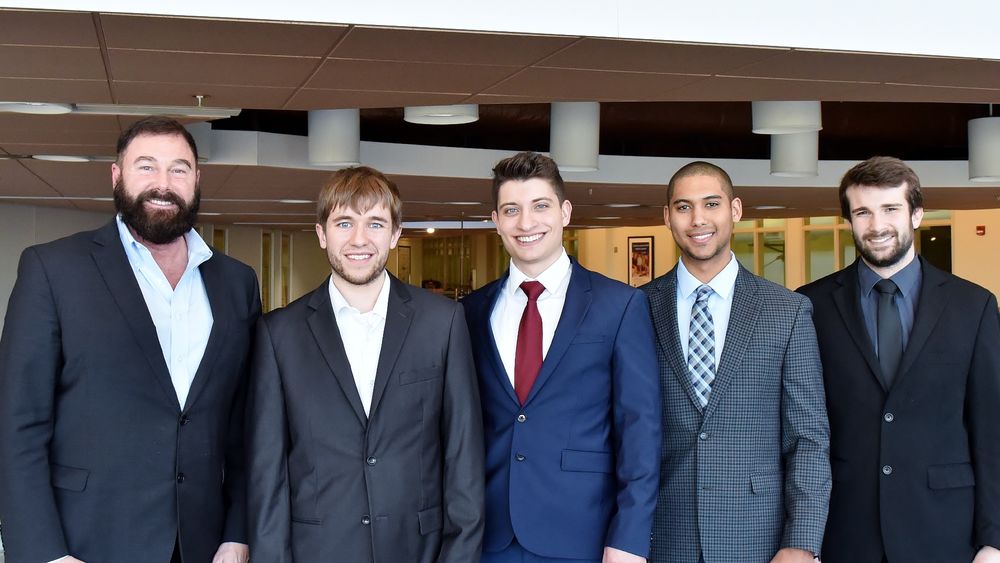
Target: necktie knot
886,287
704,292
532,289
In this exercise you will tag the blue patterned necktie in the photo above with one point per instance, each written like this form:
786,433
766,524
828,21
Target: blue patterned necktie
701,346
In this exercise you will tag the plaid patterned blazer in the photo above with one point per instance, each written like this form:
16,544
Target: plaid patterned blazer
750,474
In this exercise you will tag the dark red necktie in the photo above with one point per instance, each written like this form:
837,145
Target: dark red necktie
528,355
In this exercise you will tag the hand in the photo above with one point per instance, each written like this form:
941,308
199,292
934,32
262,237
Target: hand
612,555
232,552
987,554
792,555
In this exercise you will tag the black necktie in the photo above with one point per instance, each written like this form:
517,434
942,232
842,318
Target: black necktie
890,331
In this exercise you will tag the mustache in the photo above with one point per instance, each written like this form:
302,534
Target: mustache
162,195
880,234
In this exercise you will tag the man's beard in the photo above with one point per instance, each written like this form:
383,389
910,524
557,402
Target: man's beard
156,226
904,241
364,279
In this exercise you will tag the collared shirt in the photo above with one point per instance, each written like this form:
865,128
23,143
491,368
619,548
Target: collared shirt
182,315
720,303
506,317
908,280
362,334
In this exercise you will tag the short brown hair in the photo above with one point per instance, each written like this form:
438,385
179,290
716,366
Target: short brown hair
881,172
525,166
155,125
359,188
701,168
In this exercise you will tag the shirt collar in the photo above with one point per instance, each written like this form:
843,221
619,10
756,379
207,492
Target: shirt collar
723,283
198,251
552,278
907,279
380,309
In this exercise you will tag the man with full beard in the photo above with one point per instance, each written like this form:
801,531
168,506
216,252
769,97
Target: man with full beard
123,367
365,435
911,362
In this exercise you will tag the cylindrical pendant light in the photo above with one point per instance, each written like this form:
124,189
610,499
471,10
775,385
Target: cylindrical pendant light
442,115
335,137
795,155
575,135
984,149
781,118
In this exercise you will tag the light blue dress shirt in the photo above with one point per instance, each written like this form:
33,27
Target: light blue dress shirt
182,315
720,303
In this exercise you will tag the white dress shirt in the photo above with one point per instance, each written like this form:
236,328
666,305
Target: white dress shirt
183,314
361,334
506,317
720,303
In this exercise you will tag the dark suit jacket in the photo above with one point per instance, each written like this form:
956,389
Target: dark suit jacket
575,469
751,473
97,459
328,483
916,468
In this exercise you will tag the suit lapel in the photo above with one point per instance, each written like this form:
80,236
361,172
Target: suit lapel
575,308
398,317
933,300
486,306
746,307
847,298
114,267
222,320
323,325
663,301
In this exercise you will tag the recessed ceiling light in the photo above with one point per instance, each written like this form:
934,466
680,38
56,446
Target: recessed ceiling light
61,158
430,230
35,108
209,213
607,218
622,205
768,207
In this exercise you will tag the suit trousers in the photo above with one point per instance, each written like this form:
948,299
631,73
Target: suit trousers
514,553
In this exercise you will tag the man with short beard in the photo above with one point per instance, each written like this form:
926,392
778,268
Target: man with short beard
911,362
123,367
365,435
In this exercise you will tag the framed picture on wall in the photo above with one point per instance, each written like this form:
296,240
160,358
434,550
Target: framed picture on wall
640,260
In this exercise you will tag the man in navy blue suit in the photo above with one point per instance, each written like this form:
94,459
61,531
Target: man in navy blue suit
568,378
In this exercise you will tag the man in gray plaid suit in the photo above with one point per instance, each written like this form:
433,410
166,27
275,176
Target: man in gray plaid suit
746,470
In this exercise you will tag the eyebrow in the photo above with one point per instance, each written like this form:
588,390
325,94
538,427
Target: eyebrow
145,158
536,200
340,218
688,201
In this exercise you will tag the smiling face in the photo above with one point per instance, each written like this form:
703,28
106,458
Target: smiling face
883,226
700,215
357,244
530,221
156,187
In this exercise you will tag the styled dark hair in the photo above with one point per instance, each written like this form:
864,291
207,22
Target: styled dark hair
359,188
881,172
525,166
155,125
701,168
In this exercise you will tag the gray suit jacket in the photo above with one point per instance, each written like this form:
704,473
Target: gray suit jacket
750,474
327,482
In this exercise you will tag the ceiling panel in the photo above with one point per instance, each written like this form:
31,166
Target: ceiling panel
248,70
52,62
959,73
219,36
216,95
847,67
17,180
921,93
726,89
26,27
562,84
308,98
47,90
78,179
646,56
411,45
346,74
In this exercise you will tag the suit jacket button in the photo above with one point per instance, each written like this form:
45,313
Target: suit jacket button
180,477
887,470
185,420
365,520
371,460
519,457
703,436
521,417
888,417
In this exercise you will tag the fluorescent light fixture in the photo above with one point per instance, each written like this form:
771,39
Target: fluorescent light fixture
295,201
781,118
622,205
39,108
432,226
102,199
442,115
768,207
61,158
462,203
607,218
35,108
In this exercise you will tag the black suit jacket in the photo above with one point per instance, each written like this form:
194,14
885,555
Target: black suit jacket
97,459
327,483
916,468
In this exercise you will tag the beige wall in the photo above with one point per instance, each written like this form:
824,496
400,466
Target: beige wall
310,265
606,250
977,258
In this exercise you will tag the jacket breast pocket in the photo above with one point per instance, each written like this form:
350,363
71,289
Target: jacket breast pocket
587,339
69,478
417,375
951,476
593,462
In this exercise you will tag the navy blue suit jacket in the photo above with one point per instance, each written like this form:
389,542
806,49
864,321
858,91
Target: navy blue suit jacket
575,468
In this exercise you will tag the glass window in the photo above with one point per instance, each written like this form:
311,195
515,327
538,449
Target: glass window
774,223
847,250
748,224
821,259
934,244
743,248
822,220
773,255
937,214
